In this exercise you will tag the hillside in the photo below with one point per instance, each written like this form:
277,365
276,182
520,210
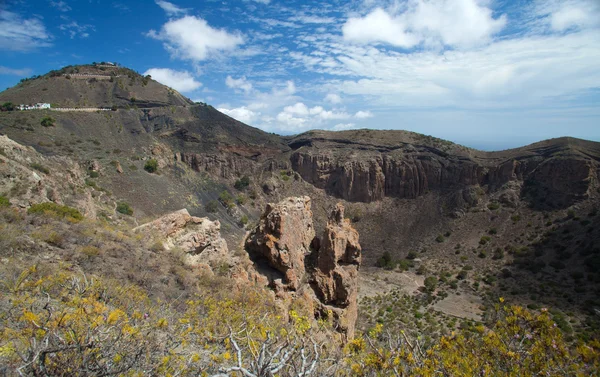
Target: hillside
445,230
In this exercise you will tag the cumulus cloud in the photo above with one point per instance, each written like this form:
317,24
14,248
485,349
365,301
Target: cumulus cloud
182,81
344,126
13,71
192,38
333,98
239,84
170,8
18,34
433,22
243,114
363,114
574,14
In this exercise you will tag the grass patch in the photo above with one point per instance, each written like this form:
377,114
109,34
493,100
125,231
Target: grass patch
50,208
40,168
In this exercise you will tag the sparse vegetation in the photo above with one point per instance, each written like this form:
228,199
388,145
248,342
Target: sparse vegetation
212,206
48,121
39,167
151,166
124,208
53,209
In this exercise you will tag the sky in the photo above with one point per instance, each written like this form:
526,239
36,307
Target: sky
489,74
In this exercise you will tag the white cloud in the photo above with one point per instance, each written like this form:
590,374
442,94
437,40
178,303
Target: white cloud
574,13
13,71
344,126
240,83
181,81
333,98
243,114
170,8
363,114
379,26
192,38
433,22
61,6
76,30
18,34
297,109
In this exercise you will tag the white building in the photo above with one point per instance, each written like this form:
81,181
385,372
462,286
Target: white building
37,106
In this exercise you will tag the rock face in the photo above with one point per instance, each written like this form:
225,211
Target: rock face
400,165
335,278
282,239
284,248
198,237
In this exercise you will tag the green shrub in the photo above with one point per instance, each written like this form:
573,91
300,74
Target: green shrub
482,254
226,198
484,240
440,238
431,283
47,121
493,231
40,167
494,206
385,261
242,183
54,209
411,255
94,174
4,202
124,208
498,254
151,166
212,206
244,220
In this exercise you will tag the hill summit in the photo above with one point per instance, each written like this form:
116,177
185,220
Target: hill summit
94,85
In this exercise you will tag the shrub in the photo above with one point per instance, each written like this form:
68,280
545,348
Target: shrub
498,254
212,206
124,208
47,121
242,183
94,174
484,240
226,198
482,254
241,199
411,255
431,283
151,166
493,231
40,168
462,275
440,238
50,208
244,220
385,261
494,206
4,202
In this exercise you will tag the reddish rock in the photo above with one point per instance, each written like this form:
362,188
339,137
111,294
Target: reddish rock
282,238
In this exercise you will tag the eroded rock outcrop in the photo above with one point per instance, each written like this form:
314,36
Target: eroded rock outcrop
335,277
282,239
284,248
199,238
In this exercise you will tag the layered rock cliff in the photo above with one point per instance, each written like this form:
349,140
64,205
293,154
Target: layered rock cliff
403,166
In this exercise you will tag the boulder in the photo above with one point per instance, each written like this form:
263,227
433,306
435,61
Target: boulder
199,238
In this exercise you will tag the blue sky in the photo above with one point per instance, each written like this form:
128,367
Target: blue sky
490,74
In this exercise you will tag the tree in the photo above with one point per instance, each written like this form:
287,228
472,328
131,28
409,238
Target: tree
242,183
431,283
48,121
124,208
7,106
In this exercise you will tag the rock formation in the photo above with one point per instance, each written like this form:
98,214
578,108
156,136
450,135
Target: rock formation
282,239
401,165
283,247
335,277
198,237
